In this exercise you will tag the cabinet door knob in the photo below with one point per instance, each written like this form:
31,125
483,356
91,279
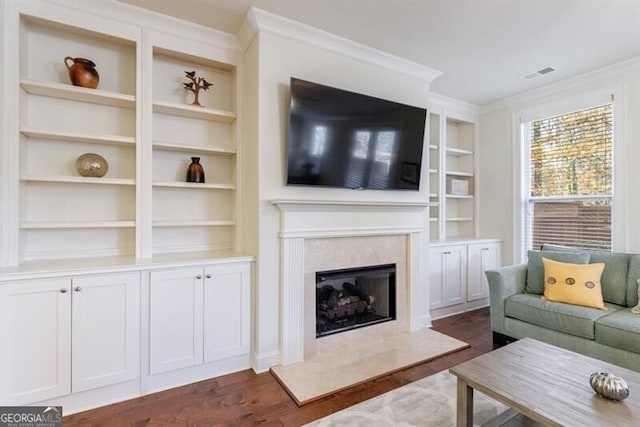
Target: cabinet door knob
208,276
63,290
199,276
78,288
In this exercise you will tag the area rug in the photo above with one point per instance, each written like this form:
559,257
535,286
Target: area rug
358,362
429,402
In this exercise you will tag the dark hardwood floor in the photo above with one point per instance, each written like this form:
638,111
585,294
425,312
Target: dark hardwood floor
245,398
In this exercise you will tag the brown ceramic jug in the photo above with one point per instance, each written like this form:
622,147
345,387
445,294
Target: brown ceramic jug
83,72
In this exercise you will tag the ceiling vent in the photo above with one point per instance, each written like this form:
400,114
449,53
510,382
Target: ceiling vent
535,74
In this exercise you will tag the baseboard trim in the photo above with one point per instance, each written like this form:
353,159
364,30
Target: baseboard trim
263,362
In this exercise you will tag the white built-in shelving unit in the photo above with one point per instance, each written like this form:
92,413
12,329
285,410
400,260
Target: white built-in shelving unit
452,147
458,257
140,119
101,266
204,218
61,214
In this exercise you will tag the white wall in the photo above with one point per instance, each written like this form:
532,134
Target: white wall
499,147
278,59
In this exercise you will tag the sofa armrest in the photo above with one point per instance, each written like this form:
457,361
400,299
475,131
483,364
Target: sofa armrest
504,282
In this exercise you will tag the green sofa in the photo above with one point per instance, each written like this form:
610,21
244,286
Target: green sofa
517,310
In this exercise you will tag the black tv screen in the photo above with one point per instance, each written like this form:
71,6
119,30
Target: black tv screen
344,139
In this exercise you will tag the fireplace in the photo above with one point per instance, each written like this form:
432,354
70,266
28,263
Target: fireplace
318,236
354,297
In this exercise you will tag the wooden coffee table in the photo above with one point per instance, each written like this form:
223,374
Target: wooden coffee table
546,384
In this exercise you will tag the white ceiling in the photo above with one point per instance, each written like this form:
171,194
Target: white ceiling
481,46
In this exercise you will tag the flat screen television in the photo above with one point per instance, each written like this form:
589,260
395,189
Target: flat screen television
344,139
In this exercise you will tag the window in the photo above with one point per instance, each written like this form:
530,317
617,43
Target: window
568,179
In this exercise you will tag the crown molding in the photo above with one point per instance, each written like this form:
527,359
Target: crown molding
576,82
149,19
453,107
258,20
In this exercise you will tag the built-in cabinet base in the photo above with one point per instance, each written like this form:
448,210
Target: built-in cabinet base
92,337
457,282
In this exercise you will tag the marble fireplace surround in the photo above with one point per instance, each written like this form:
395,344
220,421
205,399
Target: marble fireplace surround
325,235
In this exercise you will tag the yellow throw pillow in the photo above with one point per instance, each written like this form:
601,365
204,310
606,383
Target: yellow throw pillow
577,284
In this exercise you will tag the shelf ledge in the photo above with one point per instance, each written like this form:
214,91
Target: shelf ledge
79,180
44,225
194,112
459,173
195,185
459,196
193,223
75,93
78,137
167,146
459,152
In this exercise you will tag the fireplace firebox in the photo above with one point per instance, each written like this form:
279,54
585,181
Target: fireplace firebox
354,297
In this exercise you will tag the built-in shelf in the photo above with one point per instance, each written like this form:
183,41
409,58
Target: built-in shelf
43,225
459,173
193,223
194,112
193,148
78,137
453,135
195,185
459,152
75,93
79,180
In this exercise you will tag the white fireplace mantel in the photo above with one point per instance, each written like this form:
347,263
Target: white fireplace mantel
337,218
284,204
317,219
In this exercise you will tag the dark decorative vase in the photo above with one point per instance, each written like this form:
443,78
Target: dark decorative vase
83,72
195,173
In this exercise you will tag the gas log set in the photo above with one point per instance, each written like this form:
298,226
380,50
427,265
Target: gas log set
337,310
354,297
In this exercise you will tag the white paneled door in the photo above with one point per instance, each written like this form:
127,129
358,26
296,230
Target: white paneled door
226,318
176,310
35,330
106,330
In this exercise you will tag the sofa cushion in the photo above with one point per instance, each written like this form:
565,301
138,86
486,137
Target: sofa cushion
620,330
573,283
632,281
535,270
615,277
571,319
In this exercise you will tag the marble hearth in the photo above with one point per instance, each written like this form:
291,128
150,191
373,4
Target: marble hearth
328,235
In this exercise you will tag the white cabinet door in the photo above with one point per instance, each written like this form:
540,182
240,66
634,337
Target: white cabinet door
455,274
35,333
226,311
447,275
106,330
176,321
481,257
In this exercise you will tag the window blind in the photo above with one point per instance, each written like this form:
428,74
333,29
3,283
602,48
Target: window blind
570,170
